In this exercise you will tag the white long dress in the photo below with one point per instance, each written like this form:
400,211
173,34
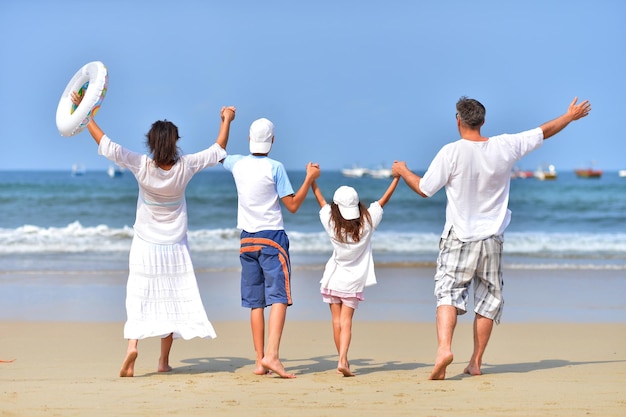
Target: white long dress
162,295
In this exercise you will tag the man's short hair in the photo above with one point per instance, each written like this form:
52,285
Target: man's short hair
470,111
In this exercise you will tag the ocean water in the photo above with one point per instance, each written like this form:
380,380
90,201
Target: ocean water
55,221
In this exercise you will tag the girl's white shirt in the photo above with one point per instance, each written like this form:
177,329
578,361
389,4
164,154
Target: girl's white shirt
351,267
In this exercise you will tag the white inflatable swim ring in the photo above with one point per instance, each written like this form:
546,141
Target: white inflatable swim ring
91,82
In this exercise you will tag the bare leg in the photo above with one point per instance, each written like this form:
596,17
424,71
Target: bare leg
257,323
271,359
346,337
482,333
446,322
335,312
164,360
128,366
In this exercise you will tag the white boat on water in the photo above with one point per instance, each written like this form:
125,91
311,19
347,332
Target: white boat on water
549,174
114,171
354,172
78,170
380,173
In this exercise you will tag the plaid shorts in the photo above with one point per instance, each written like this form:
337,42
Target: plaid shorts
461,263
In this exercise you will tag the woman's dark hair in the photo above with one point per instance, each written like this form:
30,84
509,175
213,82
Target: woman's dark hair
471,112
162,140
348,231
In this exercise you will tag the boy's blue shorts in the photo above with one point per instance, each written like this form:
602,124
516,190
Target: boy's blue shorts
265,268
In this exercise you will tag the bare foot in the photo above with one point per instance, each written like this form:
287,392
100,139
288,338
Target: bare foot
439,371
339,372
164,368
472,370
259,369
345,370
277,367
128,367
5,361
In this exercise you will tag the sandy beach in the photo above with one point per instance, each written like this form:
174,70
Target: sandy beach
547,367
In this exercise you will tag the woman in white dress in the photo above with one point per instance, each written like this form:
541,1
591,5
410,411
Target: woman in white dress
162,296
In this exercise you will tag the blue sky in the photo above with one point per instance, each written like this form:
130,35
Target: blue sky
345,82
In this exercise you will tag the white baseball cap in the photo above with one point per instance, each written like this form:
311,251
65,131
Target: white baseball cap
347,200
261,135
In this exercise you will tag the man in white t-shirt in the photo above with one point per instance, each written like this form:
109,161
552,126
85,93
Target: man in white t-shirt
262,184
476,172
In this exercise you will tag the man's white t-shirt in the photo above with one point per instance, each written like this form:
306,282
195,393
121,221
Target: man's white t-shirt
477,178
261,182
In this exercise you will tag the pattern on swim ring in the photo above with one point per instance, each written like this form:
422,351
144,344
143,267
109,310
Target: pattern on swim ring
95,108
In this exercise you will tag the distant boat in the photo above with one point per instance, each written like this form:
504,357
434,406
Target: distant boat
114,171
518,173
354,172
588,173
542,174
622,173
78,170
380,172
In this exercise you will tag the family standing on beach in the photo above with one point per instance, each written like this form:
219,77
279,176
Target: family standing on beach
163,299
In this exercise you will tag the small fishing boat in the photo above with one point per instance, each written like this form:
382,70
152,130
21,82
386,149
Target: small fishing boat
114,171
518,173
380,172
549,174
78,170
588,173
354,172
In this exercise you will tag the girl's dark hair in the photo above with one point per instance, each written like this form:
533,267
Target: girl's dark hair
349,231
162,141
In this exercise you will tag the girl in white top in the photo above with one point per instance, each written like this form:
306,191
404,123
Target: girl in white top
162,296
350,269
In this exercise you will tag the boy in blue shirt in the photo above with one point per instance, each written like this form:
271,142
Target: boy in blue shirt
264,254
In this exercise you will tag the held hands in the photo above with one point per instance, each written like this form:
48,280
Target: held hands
228,113
578,111
313,170
398,168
